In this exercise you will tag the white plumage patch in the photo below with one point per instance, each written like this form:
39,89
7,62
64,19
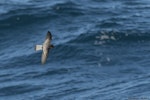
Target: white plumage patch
38,47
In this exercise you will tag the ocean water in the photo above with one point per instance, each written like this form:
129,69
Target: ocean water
102,50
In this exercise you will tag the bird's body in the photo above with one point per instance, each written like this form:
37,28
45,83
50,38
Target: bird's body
45,47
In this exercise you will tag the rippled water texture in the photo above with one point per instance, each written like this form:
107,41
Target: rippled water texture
102,50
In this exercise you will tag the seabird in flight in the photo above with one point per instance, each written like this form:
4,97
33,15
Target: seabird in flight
45,47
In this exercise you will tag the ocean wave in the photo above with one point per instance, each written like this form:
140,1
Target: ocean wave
112,36
11,2
81,45
55,8
69,8
102,45
18,89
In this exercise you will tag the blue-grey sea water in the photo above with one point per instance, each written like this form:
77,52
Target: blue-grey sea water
102,50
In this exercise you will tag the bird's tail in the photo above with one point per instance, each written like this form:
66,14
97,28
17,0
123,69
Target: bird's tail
38,47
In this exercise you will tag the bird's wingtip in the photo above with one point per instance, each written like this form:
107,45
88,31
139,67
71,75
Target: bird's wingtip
49,32
49,35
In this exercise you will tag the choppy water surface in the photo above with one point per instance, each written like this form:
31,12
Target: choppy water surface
102,50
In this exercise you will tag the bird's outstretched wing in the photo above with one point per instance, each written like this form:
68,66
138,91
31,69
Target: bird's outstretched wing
44,56
46,47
